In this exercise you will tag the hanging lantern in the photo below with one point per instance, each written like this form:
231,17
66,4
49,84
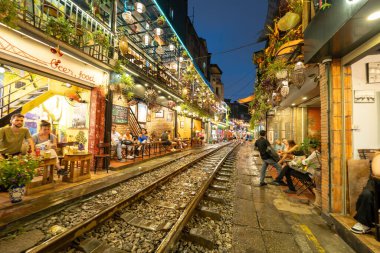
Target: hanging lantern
147,26
298,75
146,39
127,16
285,88
123,45
160,50
139,7
171,47
158,31
299,66
181,59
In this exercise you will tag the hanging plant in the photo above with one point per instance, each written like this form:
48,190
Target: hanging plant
8,12
161,21
127,82
289,21
101,39
277,67
325,5
150,96
60,28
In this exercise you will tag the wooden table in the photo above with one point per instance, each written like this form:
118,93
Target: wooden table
47,182
78,167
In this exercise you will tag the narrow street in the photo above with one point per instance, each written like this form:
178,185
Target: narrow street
266,221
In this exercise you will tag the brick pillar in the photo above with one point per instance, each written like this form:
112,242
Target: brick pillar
324,140
97,117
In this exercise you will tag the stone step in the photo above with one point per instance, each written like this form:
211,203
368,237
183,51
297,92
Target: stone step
204,237
215,198
209,212
131,219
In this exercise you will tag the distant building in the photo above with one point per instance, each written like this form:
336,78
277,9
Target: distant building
238,111
216,80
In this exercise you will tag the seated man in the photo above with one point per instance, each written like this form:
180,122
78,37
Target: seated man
365,213
165,139
312,162
116,142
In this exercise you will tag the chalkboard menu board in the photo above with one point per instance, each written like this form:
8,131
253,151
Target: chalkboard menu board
119,114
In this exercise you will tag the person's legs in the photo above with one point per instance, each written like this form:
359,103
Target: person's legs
275,165
288,172
263,171
118,151
364,208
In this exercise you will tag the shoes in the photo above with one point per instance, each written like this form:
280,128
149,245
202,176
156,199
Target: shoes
290,191
62,172
130,157
359,228
276,183
262,184
121,160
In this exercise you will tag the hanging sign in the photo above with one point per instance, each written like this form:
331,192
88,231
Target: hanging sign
17,45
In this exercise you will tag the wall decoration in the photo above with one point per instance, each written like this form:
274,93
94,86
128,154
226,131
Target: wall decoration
364,96
119,114
142,112
159,114
373,72
169,117
79,116
182,124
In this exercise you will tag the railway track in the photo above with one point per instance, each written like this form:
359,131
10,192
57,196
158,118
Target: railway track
148,220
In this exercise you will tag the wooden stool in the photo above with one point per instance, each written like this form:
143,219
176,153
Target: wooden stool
47,181
78,166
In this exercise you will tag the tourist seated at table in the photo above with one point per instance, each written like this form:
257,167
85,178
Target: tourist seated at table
300,168
279,146
46,143
165,138
13,137
153,136
129,142
365,205
180,143
116,143
290,152
142,139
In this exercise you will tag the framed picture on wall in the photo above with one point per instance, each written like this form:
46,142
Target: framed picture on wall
142,112
373,72
159,114
182,124
169,117
364,96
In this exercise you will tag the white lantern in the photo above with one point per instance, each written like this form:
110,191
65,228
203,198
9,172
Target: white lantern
181,59
299,66
171,47
139,7
146,39
147,26
158,31
285,88
127,16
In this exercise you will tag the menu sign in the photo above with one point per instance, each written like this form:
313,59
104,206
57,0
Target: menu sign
119,114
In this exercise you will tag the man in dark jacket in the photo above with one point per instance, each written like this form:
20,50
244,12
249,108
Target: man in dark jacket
262,144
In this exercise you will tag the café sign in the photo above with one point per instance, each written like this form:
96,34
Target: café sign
17,45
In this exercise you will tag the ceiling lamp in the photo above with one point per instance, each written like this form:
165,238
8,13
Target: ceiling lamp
299,66
146,39
139,7
158,31
171,47
127,16
160,50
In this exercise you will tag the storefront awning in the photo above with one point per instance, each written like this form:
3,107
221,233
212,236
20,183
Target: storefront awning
338,30
246,99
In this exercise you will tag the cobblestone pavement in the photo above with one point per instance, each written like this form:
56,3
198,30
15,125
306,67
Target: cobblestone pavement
265,221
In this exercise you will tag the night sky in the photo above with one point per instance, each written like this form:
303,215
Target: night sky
228,25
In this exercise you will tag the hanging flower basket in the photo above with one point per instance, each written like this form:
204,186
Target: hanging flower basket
161,21
285,89
150,96
289,21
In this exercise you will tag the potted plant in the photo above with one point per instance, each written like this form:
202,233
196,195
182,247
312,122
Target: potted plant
81,139
60,28
15,173
101,39
8,12
161,21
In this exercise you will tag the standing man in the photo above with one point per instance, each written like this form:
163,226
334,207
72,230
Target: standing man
116,142
262,144
13,136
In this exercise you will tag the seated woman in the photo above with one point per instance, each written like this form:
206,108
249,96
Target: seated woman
48,142
142,139
289,152
312,162
128,142
365,213
278,146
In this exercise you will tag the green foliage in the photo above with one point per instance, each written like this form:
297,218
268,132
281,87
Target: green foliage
259,106
161,20
18,170
81,138
118,67
309,142
60,28
8,12
274,67
325,5
101,39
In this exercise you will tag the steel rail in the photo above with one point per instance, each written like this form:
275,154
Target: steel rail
64,239
168,243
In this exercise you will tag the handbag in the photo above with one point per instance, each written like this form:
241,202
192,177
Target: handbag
272,153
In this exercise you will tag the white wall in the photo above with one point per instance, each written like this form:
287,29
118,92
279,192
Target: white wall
366,116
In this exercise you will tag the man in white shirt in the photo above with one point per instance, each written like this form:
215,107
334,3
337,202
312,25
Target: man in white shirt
116,142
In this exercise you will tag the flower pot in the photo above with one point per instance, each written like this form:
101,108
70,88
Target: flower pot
16,193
